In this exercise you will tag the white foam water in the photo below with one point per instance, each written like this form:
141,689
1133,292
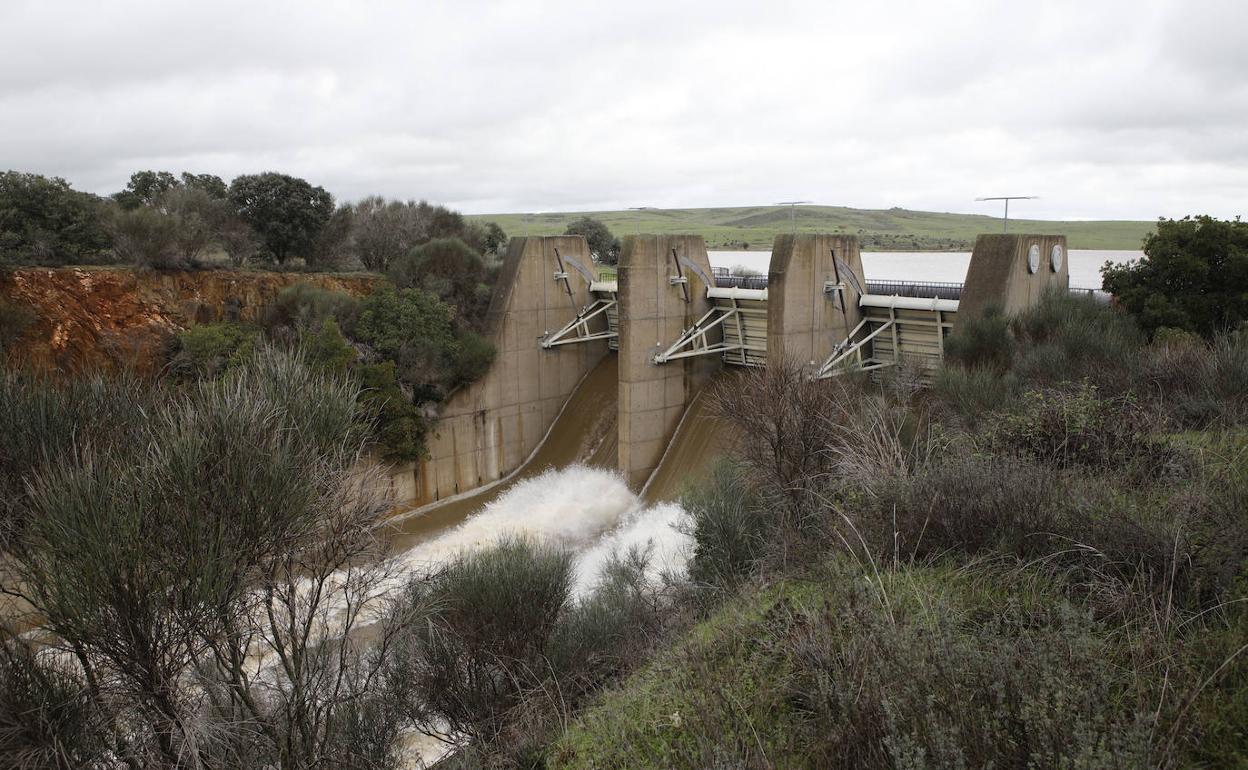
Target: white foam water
589,511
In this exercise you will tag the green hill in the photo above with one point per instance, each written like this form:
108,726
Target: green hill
754,227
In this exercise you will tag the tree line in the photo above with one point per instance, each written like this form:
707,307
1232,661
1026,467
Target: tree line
162,220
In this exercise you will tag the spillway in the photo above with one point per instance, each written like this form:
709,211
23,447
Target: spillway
585,432
699,440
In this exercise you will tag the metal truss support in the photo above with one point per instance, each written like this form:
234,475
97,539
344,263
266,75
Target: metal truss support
847,356
693,341
577,330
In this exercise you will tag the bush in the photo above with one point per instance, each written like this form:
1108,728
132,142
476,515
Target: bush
473,356
604,246
477,633
206,351
949,685
416,331
400,428
326,348
47,422
448,269
1074,338
164,561
1193,276
1075,426
730,532
974,392
47,719
983,342
305,307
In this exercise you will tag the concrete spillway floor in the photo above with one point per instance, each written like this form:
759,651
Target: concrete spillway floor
585,432
700,440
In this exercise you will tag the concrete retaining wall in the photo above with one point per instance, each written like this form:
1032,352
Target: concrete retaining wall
999,274
804,323
487,430
653,314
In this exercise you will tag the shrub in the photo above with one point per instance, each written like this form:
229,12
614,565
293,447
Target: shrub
604,246
305,307
44,221
208,350
983,342
326,348
148,238
730,532
400,428
1193,276
47,422
950,685
448,269
1075,426
473,356
477,633
1072,338
974,392
47,719
234,510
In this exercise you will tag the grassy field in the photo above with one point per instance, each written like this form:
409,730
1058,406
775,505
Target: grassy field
755,227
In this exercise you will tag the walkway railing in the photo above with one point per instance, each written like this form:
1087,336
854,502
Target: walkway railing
922,289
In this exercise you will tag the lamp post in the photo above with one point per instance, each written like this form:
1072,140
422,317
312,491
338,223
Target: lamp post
637,218
1005,220
792,211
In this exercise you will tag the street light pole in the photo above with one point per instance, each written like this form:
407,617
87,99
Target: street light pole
792,211
1005,221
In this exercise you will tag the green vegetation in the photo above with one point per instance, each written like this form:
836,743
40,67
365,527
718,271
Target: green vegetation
1193,277
164,540
408,349
163,221
1041,562
755,227
46,222
604,246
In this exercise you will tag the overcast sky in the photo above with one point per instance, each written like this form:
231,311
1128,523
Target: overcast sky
1129,109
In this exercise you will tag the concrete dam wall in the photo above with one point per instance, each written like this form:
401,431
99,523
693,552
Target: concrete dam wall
676,327
488,429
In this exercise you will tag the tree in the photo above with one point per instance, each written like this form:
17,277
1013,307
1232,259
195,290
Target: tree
144,188
602,244
211,184
333,246
1193,276
173,232
285,211
448,268
45,221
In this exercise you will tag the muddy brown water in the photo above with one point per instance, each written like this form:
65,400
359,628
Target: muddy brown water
585,432
700,439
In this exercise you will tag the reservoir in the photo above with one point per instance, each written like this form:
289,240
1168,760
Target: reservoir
938,266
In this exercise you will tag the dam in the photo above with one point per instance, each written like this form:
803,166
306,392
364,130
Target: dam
609,368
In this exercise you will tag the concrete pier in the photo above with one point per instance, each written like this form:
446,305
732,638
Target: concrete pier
663,280
487,429
1002,275
805,318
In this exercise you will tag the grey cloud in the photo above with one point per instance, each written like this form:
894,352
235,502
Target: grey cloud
1108,109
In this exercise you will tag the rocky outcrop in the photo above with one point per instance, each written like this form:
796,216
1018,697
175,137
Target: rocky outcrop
108,318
